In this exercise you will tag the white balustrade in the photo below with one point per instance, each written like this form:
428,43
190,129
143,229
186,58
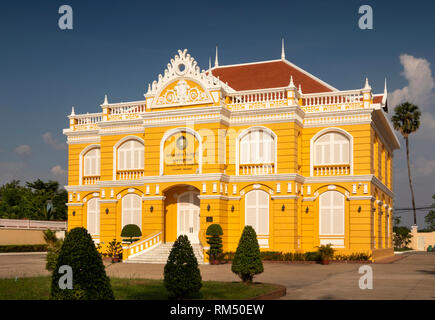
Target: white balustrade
332,98
333,170
256,169
32,224
127,108
263,98
130,174
91,180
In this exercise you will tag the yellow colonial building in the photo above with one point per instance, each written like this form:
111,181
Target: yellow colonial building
264,144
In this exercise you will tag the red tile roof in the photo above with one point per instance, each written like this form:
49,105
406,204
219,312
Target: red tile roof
378,98
269,74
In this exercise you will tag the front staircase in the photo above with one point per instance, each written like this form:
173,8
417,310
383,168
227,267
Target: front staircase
160,254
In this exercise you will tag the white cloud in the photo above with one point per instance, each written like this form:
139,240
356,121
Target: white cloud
58,171
22,150
48,139
420,83
419,90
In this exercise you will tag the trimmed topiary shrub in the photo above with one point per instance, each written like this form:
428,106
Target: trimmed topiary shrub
182,277
247,260
131,230
90,281
214,239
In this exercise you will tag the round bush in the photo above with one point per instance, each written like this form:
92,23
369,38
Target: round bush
214,230
90,281
247,260
182,277
131,230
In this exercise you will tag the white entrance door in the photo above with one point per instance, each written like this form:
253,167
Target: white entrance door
188,216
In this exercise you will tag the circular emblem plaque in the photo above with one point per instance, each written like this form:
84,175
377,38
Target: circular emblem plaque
181,143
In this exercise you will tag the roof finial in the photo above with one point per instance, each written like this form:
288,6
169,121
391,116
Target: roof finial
291,84
216,62
72,112
282,49
106,102
149,87
367,86
300,89
209,63
384,97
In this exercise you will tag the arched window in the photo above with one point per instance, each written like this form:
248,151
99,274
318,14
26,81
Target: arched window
94,216
132,210
257,211
131,155
257,147
331,148
91,161
331,215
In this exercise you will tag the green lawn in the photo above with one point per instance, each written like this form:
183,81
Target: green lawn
38,288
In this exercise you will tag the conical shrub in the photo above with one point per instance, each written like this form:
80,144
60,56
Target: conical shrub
89,278
247,260
182,277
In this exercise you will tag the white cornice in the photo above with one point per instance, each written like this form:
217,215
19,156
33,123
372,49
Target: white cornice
108,200
218,197
290,196
153,198
94,187
338,179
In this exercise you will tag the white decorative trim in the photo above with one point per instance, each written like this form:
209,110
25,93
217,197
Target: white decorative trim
173,72
170,133
362,198
108,201
290,196
325,131
153,198
74,204
81,155
249,130
217,196
118,144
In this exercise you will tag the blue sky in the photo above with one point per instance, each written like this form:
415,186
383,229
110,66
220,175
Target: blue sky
119,47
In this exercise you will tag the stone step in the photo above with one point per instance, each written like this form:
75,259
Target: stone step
160,254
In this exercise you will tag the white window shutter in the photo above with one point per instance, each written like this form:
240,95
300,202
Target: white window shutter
93,216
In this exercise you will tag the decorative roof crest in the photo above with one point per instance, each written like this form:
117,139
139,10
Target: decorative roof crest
183,65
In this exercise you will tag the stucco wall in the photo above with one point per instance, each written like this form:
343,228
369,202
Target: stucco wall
23,236
420,239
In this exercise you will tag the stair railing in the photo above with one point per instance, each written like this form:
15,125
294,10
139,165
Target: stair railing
144,244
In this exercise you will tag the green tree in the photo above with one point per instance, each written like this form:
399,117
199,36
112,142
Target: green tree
402,237
430,218
247,260
406,120
182,277
42,194
214,239
90,281
15,201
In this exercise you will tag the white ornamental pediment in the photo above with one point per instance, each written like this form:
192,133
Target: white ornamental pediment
182,91
184,67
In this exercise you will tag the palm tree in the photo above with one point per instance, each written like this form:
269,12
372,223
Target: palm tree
406,120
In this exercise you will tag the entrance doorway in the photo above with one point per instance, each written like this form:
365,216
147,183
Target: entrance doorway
188,216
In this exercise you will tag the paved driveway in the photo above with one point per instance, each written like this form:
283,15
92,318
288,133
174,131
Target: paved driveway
410,278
